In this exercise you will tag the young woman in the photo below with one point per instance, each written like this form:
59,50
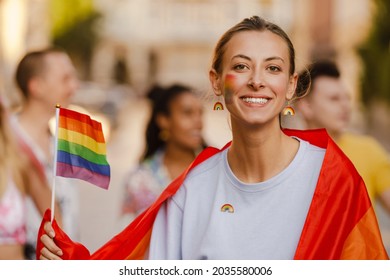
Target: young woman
17,180
173,139
269,194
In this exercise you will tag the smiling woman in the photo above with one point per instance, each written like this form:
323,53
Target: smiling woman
239,202
270,177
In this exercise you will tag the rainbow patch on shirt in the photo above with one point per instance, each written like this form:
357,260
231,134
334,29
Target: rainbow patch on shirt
218,106
227,208
289,111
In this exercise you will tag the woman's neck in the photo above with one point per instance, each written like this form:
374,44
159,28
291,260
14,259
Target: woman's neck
259,154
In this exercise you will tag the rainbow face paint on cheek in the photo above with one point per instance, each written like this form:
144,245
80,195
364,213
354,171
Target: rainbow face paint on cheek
228,88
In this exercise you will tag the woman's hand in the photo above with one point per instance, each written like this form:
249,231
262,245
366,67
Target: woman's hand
50,251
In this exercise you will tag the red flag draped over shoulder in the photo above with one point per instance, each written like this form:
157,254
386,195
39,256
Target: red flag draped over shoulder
340,224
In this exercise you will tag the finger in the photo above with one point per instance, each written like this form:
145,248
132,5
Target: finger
47,255
49,229
51,245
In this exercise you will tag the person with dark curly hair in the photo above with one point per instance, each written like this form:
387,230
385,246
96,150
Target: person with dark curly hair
173,140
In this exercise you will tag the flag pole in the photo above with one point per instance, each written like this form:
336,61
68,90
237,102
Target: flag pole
55,163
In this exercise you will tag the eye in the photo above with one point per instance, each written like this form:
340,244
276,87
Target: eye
240,67
186,110
274,68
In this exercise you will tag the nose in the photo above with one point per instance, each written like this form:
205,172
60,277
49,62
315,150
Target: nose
256,81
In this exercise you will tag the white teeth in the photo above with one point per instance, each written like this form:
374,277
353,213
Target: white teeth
255,100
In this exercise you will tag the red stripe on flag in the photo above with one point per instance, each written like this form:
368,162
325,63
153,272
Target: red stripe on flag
81,127
80,117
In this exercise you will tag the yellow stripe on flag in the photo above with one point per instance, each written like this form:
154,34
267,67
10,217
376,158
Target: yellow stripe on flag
82,139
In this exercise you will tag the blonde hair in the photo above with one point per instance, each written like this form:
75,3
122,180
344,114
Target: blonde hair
12,163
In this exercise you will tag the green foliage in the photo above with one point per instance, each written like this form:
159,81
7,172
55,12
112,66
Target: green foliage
73,28
64,14
375,54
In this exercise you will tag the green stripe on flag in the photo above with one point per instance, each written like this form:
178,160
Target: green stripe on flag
81,151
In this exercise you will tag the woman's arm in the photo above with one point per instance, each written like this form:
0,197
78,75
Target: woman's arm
40,193
166,240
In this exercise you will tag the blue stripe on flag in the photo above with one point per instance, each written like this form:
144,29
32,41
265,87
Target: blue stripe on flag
81,162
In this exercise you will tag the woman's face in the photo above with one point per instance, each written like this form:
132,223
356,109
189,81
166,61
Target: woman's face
184,122
255,79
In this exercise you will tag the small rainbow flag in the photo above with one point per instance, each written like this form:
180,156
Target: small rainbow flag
81,149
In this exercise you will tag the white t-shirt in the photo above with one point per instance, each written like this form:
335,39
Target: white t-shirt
216,216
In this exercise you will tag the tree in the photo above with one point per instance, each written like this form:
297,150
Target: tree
375,54
73,29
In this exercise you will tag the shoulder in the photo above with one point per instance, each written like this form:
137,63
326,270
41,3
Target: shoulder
339,166
312,148
198,179
148,167
354,138
140,176
364,143
206,167
310,153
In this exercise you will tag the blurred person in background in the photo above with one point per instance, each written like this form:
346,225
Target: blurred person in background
329,106
173,139
17,180
45,78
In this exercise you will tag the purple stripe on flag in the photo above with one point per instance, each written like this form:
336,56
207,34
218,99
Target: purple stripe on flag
70,171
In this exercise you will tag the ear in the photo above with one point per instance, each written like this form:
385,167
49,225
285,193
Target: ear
215,82
162,121
35,86
292,85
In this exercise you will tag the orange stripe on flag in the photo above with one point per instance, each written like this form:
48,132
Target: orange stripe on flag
139,251
364,242
81,127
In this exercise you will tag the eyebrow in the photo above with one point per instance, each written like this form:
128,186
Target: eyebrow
275,58
267,59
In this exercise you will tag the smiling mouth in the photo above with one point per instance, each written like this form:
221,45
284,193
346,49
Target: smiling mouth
255,100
